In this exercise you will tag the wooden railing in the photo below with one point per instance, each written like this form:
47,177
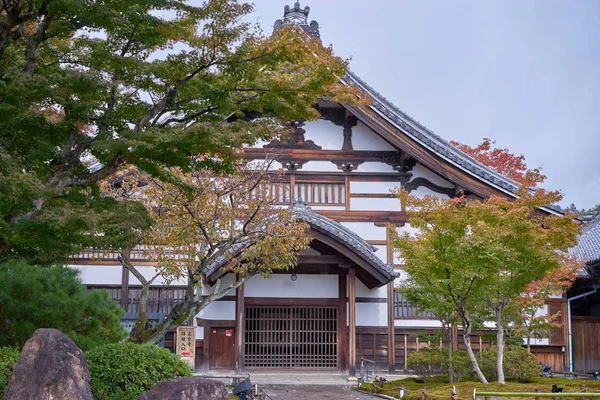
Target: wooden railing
314,193
160,299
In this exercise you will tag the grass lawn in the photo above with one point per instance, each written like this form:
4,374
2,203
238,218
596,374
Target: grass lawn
438,389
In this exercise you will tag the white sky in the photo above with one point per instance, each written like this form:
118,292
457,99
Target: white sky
525,73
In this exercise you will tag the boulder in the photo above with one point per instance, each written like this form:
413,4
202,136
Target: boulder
187,389
50,367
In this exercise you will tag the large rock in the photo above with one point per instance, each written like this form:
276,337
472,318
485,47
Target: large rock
187,389
50,367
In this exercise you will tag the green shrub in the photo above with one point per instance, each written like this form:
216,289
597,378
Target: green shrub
124,370
428,362
519,365
8,359
463,368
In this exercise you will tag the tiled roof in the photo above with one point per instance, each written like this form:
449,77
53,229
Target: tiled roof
317,221
428,139
588,243
334,229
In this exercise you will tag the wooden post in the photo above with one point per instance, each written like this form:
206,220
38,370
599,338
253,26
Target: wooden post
391,330
239,328
342,321
352,321
406,352
537,391
425,393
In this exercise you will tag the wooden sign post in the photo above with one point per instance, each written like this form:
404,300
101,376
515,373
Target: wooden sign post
186,345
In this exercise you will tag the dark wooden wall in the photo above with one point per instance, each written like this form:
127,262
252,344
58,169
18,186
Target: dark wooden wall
586,343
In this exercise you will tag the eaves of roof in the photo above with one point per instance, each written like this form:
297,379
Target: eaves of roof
435,144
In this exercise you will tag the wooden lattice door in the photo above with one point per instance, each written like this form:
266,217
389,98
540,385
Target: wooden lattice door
291,337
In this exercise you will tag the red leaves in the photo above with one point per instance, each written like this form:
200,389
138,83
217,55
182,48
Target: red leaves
503,162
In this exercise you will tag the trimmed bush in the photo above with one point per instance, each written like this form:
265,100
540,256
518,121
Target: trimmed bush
8,359
428,362
122,371
519,364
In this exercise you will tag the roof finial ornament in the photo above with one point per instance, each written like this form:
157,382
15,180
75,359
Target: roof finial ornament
298,17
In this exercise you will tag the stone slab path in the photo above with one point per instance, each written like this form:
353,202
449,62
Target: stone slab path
314,393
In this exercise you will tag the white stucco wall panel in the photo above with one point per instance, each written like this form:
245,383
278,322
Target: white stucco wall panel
225,281
381,253
367,230
423,191
148,273
420,171
320,166
219,310
371,314
373,187
363,291
417,323
369,204
363,138
375,166
325,134
280,285
99,274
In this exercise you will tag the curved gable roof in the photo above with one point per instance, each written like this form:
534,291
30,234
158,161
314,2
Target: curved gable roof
588,243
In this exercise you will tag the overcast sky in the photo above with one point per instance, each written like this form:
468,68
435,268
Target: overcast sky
525,73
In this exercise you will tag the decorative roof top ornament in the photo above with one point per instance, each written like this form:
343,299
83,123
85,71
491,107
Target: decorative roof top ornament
298,17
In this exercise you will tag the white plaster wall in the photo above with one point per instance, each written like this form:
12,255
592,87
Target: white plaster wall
225,281
367,230
373,187
280,285
218,310
363,291
324,166
417,323
325,134
99,274
544,342
422,191
363,138
420,171
375,166
148,273
381,253
340,207
371,314
369,204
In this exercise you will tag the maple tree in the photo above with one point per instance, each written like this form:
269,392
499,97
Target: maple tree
231,220
88,87
503,162
477,257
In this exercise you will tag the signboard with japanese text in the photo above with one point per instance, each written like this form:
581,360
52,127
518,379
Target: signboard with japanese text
186,344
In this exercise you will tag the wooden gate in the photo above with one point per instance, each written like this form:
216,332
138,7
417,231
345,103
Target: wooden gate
221,348
291,337
586,344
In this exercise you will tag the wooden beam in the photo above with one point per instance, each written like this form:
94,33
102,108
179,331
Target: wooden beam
319,155
352,321
342,323
279,301
321,259
364,216
240,327
390,332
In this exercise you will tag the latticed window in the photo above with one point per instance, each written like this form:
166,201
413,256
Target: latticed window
405,310
160,299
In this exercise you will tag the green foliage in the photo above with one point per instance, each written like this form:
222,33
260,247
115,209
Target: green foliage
8,359
519,364
122,371
141,82
428,362
33,297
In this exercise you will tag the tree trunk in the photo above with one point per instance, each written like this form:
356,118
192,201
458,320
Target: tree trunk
529,343
499,345
467,339
142,320
451,377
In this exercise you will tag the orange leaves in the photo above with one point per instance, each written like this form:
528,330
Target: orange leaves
503,161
